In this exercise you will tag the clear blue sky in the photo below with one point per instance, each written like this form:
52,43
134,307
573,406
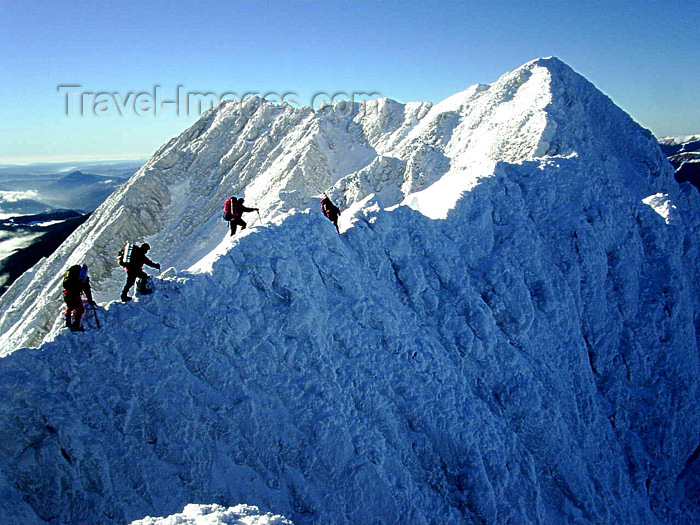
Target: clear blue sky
643,54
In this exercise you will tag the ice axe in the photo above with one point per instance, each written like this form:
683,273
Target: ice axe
94,311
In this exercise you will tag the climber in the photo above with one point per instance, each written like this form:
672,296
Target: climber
234,208
75,283
134,270
330,210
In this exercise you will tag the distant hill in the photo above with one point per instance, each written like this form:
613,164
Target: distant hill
21,206
684,154
122,169
78,185
78,179
78,190
674,145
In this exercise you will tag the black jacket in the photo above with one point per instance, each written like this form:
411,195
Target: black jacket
138,259
329,209
239,209
81,288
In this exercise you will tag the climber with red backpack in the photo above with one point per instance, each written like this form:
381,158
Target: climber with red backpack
330,210
233,210
76,283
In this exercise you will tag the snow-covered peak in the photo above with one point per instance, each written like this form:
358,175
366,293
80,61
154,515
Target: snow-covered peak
680,139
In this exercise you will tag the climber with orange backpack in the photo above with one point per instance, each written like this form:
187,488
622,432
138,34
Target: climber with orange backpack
76,283
233,210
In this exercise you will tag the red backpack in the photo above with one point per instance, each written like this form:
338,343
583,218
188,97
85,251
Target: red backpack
229,207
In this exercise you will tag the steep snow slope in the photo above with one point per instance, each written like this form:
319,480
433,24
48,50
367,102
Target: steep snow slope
523,351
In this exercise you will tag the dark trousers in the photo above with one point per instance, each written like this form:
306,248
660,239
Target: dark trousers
333,217
131,277
74,310
235,222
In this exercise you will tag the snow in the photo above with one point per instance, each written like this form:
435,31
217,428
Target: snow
44,224
662,205
672,141
440,198
503,332
216,515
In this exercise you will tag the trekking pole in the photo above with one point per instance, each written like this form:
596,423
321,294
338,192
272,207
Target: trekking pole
94,311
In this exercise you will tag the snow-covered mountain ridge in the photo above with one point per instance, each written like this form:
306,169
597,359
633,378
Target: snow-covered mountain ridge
524,350
282,158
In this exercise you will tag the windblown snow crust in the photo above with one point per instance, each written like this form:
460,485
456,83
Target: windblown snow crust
216,515
516,343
